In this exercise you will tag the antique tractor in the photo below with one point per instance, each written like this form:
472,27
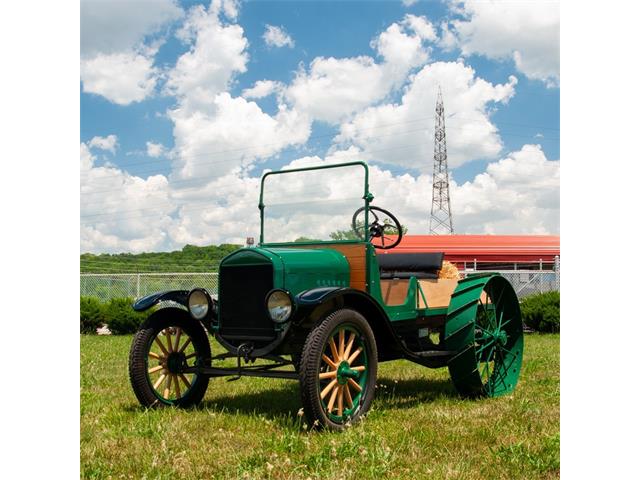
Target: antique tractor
325,312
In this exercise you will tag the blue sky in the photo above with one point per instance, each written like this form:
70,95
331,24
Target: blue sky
171,121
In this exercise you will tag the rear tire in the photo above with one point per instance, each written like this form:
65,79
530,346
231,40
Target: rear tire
338,370
167,342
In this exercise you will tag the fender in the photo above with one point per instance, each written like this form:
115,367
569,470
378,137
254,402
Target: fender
310,300
148,301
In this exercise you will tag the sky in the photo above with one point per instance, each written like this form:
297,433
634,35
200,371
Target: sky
184,105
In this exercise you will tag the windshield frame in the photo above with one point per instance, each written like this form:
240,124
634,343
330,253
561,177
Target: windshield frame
367,197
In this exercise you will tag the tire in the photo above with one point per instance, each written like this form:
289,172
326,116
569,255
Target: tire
155,362
347,386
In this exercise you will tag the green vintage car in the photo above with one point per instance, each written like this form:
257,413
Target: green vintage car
326,311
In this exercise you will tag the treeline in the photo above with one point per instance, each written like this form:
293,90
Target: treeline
189,259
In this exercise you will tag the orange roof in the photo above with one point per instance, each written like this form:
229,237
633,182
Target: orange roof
484,248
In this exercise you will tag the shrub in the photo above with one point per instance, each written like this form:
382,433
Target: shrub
121,317
542,311
91,314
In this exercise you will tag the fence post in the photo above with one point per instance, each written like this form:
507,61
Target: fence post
556,268
475,265
540,282
138,286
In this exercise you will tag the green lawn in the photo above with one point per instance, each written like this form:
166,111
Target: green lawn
417,428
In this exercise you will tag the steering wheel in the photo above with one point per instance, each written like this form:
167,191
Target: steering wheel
383,223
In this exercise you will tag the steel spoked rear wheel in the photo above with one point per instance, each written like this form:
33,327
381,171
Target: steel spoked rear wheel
168,343
484,325
338,370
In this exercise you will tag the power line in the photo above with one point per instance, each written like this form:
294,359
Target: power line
200,180
333,135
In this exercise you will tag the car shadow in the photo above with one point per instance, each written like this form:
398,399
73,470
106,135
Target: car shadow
282,404
401,394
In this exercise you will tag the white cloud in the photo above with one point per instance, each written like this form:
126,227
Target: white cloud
518,194
220,140
225,211
334,88
527,32
262,88
234,133
121,78
408,3
422,26
217,52
277,37
215,133
155,150
109,143
116,207
118,43
113,27
402,134
228,7
448,40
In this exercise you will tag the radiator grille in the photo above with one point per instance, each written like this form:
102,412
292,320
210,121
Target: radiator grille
242,293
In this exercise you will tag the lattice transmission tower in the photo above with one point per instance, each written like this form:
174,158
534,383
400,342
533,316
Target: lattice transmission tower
441,222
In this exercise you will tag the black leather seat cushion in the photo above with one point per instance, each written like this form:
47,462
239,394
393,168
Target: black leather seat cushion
405,265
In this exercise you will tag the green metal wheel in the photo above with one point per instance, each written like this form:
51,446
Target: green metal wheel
484,325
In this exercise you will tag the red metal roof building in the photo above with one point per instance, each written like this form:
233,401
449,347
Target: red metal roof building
487,251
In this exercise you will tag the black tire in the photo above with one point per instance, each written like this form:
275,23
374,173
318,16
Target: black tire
312,366
169,321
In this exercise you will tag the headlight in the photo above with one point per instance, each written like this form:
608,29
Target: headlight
279,305
199,303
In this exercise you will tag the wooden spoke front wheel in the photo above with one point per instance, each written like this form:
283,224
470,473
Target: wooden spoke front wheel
338,370
171,351
168,343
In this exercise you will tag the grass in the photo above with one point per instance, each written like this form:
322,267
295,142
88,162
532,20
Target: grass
418,426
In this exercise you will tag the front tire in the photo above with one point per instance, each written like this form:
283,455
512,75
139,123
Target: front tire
338,370
165,344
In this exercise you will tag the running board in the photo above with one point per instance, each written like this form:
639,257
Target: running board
435,354
432,358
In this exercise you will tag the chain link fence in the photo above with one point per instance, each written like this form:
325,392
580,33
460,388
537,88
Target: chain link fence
530,282
135,285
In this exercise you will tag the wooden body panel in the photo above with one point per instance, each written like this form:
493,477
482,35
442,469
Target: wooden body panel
356,255
394,292
438,292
